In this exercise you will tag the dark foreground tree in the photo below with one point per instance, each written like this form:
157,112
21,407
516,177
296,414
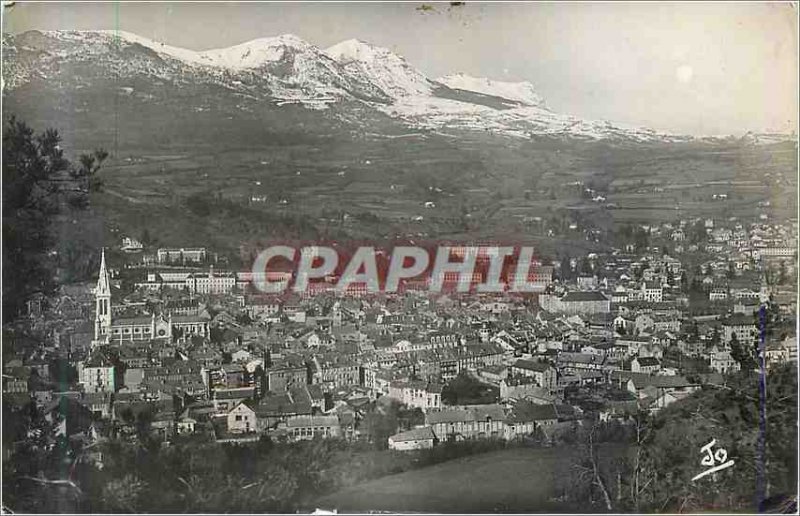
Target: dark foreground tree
38,183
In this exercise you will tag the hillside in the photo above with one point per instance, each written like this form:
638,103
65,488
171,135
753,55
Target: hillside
287,70
281,138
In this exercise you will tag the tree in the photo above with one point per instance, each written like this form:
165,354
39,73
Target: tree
146,238
586,265
381,425
466,390
123,494
38,183
743,354
566,268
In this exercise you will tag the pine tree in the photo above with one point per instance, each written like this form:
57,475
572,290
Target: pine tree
38,183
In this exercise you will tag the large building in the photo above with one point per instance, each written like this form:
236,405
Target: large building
211,282
182,254
652,291
573,303
743,327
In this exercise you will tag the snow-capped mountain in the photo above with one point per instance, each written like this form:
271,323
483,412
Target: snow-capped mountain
286,69
383,68
281,69
522,92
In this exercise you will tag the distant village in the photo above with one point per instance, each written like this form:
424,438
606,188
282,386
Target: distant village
192,348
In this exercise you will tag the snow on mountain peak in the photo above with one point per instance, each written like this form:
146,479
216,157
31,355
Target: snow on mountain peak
254,53
387,70
286,69
522,92
250,54
356,50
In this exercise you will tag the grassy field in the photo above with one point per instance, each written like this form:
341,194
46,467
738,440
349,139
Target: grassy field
293,172
512,480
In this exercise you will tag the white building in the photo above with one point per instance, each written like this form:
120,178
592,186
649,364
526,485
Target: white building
723,362
96,374
417,394
131,245
416,439
211,283
182,254
242,418
652,291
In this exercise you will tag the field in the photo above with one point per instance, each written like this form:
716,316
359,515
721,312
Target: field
482,189
511,480
265,172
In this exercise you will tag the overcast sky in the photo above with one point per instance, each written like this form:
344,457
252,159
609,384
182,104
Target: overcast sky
699,68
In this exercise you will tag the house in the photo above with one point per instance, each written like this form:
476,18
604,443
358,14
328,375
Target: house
652,291
337,370
782,352
96,374
225,399
542,372
645,365
290,372
277,409
663,399
261,307
307,427
722,361
185,424
573,363
637,383
15,385
526,418
467,421
416,439
718,294
242,418
494,374
747,306
415,393
621,323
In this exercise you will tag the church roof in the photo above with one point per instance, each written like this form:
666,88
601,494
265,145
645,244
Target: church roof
132,321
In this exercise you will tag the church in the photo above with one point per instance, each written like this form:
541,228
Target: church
109,329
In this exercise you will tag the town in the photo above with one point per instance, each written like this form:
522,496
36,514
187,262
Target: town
164,336
451,257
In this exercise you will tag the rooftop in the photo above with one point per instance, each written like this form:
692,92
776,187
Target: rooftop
583,296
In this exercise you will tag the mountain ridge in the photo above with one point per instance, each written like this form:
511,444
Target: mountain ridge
287,69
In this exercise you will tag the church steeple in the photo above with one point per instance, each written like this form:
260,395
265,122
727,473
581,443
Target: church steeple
102,297
103,284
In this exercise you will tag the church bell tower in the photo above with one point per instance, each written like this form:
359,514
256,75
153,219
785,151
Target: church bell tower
102,301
